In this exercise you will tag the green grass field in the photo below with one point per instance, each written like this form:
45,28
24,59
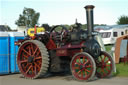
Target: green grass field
122,69
108,47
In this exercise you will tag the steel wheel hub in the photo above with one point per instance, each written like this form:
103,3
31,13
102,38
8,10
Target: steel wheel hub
104,65
31,59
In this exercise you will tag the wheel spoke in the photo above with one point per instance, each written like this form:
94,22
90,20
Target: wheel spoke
25,56
102,70
30,50
32,70
37,65
81,74
35,51
87,70
108,65
29,69
79,60
39,62
107,61
88,66
77,63
86,62
26,66
103,59
26,52
37,58
76,68
78,71
107,69
32,47
37,54
84,59
23,61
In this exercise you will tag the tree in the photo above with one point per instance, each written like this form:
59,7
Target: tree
9,29
5,28
29,18
122,20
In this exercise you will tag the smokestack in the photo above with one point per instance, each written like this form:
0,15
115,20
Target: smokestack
89,17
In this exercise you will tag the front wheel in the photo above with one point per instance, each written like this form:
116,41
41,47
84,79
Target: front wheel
105,65
83,66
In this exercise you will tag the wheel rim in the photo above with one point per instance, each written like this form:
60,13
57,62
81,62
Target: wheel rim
104,65
29,59
82,67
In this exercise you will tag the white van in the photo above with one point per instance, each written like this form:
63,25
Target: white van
110,34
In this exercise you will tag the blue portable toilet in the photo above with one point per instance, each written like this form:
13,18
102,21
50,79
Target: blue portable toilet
14,36
4,53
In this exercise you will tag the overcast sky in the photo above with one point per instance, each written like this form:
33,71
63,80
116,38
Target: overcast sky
56,12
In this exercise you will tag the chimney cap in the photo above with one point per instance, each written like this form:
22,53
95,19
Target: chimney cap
89,7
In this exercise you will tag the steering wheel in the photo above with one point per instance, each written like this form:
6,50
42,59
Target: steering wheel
58,32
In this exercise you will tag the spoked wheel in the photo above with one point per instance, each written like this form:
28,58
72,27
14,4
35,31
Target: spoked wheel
33,59
83,66
105,65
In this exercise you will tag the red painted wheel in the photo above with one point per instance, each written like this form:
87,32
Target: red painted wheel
83,66
105,65
32,59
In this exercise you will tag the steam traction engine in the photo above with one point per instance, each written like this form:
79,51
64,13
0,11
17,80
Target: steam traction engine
62,49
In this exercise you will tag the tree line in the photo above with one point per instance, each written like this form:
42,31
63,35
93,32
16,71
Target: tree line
30,17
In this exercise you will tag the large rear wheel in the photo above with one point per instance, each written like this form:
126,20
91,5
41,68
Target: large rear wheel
83,66
33,59
105,65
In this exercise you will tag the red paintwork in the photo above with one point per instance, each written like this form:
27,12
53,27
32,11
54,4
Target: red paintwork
33,37
74,51
62,52
50,45
69,50
66,50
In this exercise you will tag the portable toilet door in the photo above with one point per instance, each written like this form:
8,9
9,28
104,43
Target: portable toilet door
4,53
14,36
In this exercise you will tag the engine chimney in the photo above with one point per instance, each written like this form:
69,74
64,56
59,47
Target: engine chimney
89,17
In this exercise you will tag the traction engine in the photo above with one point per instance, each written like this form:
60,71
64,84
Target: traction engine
62,50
